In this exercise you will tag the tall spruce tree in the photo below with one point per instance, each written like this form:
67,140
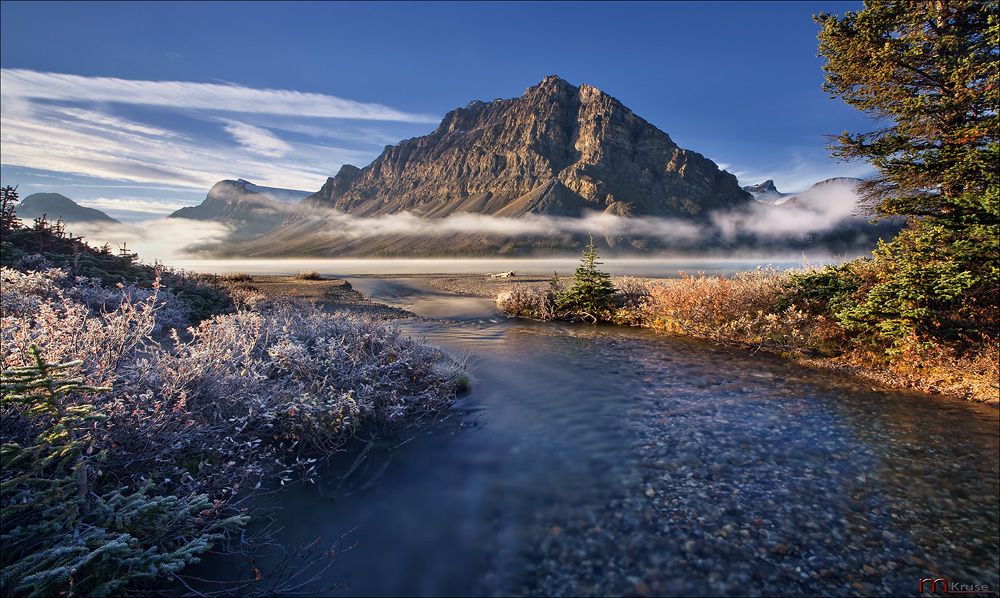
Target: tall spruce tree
928,70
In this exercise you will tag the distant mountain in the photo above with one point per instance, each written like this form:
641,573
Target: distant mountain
56,206
558,150
827,215
822,192
843,187
241,206
765,192
274,193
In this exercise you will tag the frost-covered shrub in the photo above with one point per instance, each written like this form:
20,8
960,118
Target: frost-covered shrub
212,411
33,262
102,327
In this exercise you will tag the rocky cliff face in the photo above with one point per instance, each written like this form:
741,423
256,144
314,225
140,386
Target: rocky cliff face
234,204
556,150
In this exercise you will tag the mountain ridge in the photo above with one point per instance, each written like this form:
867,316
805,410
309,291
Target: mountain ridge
558,150
551,151
56,206
238,206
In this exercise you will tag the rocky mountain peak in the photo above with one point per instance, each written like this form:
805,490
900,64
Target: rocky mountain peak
239,206
551,85
558,150
765,187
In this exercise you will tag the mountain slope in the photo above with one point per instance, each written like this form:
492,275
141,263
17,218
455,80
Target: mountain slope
558,150
56,206
238,206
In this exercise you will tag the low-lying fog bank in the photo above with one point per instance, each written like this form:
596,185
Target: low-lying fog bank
641,266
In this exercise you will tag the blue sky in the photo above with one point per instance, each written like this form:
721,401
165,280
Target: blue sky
137,108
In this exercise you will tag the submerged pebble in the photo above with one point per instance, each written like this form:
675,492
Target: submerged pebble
759,487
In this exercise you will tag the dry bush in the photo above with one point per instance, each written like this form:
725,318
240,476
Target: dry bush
236,277
309,275
527,302
78,318
739,309
631,291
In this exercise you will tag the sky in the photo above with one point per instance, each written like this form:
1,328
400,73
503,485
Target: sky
138,108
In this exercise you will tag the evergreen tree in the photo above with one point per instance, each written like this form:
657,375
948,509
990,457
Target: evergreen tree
8,219
930,71
59,537
592,290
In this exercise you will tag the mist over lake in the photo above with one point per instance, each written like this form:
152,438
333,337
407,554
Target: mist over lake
641,267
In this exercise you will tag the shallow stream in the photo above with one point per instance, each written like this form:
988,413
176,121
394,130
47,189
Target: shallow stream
595,460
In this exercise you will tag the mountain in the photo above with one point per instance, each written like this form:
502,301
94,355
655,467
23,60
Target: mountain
840,189
828,215
765,192
276,194
241,206
56,206
558,150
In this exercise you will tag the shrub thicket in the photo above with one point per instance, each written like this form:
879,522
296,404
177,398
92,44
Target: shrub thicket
48,245
590,296
102,490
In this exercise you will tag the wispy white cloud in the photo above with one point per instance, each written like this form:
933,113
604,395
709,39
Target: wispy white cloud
821,209
257,140
187,135
22,83
340,224
136,204
84,141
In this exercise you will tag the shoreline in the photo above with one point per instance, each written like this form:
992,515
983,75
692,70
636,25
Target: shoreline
328,294
337,295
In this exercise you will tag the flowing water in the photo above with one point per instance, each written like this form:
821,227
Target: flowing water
601,460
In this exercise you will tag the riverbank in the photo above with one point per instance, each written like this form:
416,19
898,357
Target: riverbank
328,294
937,376
602,460
950,379
143,415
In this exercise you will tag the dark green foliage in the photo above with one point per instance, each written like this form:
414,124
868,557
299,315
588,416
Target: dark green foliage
59,533
931,70
592,290
8,219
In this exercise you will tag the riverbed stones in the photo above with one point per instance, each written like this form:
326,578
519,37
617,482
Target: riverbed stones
754,488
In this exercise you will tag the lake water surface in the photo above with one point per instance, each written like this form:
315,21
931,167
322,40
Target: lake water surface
595,460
